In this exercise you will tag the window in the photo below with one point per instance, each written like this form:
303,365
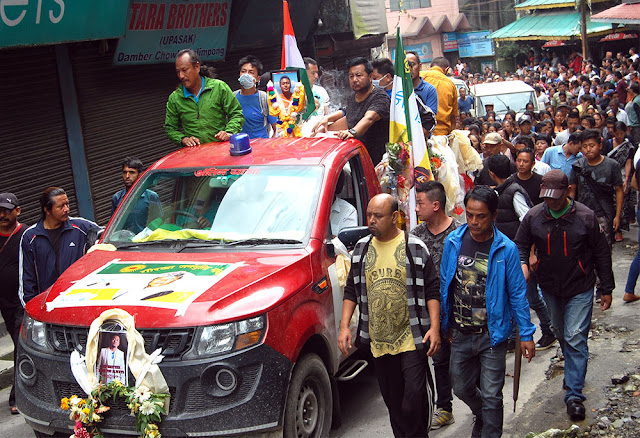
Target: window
220,205
410,4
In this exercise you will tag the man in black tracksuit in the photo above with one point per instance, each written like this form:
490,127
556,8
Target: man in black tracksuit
570,249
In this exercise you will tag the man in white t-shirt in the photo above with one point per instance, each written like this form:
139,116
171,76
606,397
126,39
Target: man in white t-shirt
319,93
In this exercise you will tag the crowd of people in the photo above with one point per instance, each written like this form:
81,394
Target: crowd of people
554,194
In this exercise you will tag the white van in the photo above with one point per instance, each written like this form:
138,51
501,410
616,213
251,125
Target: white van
505,96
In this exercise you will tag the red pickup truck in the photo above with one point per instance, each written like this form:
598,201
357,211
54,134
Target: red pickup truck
226,264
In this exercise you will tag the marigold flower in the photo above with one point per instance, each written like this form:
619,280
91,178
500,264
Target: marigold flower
436,162
64,403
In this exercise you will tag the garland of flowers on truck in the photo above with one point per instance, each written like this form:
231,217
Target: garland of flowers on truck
145,406
288,118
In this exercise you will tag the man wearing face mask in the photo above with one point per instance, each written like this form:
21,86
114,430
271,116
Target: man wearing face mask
253,101
383,74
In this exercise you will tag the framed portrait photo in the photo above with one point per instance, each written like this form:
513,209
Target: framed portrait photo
111,363
287,79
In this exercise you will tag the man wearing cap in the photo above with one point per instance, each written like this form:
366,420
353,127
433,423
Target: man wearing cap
570,248
493,144
524,123
10,234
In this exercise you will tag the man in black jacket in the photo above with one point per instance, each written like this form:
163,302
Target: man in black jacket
570,249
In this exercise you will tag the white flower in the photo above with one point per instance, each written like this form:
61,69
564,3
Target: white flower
147,408
143,393
74,400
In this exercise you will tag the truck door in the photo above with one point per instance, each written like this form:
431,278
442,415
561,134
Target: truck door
349,209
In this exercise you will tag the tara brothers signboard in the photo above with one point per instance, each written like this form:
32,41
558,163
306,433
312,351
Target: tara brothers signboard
158,29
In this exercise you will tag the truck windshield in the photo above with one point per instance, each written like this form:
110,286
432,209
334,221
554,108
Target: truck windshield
505,102
219,204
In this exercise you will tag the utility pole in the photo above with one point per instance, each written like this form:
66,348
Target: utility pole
583,28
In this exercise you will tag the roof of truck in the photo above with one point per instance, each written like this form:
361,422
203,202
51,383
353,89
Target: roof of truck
280,151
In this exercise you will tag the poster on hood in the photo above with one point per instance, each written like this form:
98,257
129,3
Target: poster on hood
164,285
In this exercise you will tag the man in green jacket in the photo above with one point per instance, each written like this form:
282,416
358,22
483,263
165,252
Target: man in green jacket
201,109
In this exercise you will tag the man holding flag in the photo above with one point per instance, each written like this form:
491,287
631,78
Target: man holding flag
405,125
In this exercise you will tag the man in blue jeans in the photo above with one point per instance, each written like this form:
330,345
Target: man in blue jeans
482,290
571,248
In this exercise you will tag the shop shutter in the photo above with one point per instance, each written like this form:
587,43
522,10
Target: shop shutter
35,153
122,110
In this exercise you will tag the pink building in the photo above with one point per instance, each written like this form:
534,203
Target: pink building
427,27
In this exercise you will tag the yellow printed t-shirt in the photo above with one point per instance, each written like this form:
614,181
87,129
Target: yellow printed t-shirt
386,276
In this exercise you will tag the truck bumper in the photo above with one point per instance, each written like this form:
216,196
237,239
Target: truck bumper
236,394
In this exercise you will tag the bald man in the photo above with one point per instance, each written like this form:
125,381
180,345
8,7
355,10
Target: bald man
394,283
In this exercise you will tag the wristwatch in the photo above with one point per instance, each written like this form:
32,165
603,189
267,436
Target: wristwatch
353,132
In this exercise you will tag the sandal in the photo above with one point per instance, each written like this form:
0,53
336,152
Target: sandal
14,410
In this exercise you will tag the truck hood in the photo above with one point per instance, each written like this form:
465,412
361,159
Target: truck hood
173,290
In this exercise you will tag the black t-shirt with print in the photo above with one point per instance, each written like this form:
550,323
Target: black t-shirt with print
469,305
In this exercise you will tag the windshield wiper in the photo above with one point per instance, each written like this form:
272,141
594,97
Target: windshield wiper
137,244
262,241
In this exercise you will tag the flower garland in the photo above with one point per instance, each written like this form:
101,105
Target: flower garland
288,118
145,406
436,161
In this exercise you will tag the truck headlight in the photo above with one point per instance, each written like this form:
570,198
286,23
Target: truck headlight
220,338
34,334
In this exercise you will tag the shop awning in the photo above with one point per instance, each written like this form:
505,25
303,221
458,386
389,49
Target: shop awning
422,23
626,13
544,4
547,26
619,36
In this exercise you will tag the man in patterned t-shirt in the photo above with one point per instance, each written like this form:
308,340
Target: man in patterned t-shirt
394,283
431,200
482,290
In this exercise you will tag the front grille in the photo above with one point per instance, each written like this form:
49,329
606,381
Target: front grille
119,406
40,389
173,342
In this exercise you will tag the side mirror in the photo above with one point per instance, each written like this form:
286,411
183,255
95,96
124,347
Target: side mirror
350,236
94,235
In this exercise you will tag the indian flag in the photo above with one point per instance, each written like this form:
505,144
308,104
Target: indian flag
291,56
405,125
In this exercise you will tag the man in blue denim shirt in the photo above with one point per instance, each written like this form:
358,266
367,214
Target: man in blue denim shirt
482,290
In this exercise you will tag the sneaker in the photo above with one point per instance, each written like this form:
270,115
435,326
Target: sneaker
477,427
441,418
511,345
545,342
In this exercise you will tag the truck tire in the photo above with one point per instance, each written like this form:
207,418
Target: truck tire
309,401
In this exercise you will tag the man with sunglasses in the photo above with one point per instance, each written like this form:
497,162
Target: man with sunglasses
10,234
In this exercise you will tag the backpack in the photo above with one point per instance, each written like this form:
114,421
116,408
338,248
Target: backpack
427,116
264,105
